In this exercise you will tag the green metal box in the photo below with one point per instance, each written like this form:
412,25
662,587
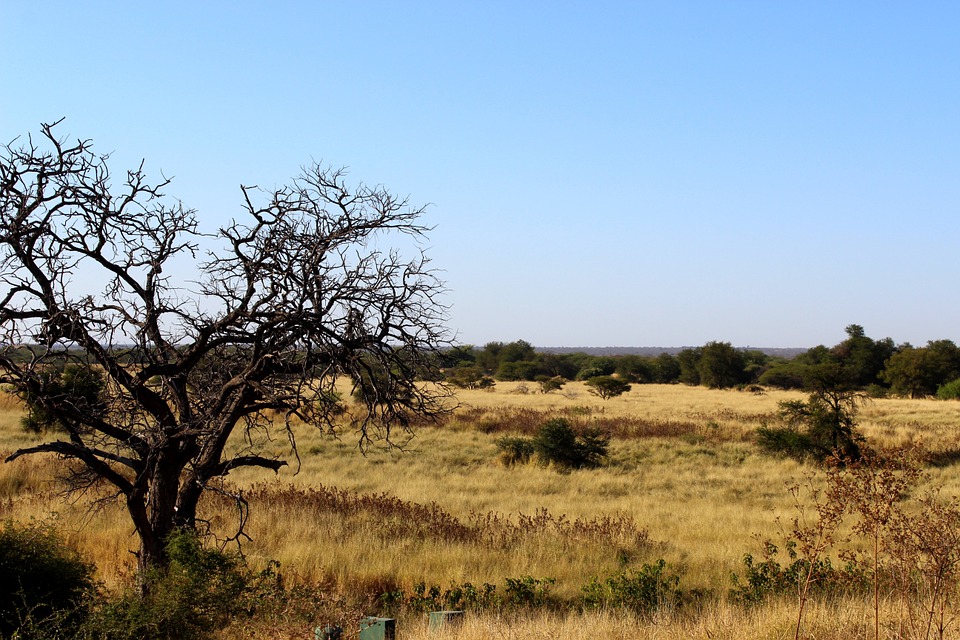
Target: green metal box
440,619
378,629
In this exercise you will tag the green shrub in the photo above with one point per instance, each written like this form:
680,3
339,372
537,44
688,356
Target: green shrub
467,596
527,592
643,592
196,596
457,597
557,442
469,378
876,391
822,426
44,584
424,599
949,390
768,577
515,450
592,445
548,384
784,441
523,592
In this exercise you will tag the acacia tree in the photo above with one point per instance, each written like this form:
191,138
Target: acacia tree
298,297
606,387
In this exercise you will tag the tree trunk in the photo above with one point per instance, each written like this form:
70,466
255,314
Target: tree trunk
151,553
155,518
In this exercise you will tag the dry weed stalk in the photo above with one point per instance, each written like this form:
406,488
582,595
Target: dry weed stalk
925,546
913,549
814,534
872,489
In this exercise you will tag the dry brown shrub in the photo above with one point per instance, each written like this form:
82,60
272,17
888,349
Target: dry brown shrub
501,419
402,519
499,532
399,518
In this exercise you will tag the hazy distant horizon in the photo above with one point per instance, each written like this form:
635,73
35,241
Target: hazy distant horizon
653,351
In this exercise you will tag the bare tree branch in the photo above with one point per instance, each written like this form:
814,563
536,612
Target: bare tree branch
306,293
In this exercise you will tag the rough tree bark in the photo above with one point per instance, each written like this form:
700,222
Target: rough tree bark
296,297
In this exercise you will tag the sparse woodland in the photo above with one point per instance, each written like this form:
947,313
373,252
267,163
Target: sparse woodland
648,540
876,366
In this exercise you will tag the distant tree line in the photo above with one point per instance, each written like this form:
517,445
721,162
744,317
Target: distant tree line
859,362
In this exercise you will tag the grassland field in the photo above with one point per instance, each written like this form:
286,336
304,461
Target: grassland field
685,482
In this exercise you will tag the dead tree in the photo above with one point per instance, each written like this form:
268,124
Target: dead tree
281,306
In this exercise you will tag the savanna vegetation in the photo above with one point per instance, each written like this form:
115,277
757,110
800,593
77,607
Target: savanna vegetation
273,446
878,367
647,538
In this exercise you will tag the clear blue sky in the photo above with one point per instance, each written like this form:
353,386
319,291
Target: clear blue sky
601,174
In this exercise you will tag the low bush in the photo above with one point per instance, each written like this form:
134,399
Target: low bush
467,596
768,577
525,592
876,391
469,378
514,449
949,390
549,384
784,375
558,443
642,591
194,597
518,420
44,584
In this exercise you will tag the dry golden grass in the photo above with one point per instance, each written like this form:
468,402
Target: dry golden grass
839,620
684,470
